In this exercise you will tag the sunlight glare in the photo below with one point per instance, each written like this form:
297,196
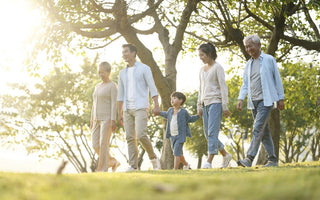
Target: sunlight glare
19,22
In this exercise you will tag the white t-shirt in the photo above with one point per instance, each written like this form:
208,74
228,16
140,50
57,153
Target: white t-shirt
131,89
174,125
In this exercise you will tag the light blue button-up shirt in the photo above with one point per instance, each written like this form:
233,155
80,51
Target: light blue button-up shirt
143,83
272,88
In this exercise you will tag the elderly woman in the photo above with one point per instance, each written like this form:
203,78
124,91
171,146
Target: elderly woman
103,117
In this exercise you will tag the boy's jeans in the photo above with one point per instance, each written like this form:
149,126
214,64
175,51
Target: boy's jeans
212,115
261,132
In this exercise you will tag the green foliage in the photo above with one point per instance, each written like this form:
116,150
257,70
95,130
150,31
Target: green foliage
300,119
295,181
53,118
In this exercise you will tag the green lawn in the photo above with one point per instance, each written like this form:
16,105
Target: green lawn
294,181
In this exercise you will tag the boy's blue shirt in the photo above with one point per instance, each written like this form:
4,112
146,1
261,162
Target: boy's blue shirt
183,119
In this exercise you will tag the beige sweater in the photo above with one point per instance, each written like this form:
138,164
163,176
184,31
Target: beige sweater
104,102
213,87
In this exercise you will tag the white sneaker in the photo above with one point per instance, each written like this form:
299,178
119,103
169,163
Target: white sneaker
131,169
186,167
226,160
206,166
156,164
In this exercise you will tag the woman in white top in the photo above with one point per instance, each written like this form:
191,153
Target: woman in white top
212,101
103,117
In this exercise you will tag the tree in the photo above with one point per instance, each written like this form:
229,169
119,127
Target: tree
285,27
301,118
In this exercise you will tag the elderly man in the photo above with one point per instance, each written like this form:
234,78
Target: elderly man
262,83
134,84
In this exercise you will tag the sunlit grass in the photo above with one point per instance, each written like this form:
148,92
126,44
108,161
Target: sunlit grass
294,181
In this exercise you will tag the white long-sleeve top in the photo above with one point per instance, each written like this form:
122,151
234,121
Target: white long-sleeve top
213,87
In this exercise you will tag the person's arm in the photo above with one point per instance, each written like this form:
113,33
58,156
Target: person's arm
113,107
120,112
243,90
120,98
279,85
199,106
223,91
164,114
156,109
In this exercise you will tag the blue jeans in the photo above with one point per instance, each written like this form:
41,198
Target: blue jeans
261,131
211,115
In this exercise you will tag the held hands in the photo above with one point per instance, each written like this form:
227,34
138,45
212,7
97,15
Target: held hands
156,110
121,119
200,112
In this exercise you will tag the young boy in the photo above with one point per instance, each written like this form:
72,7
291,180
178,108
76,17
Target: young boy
178,128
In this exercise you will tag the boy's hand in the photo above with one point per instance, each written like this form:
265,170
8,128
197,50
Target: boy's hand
200,113
156,112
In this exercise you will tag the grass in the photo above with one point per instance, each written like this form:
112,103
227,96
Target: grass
294,181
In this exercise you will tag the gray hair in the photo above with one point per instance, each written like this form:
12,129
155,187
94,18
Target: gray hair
255,39
105,66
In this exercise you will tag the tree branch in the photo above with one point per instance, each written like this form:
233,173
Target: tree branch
303,43
309,19
100,7
264,23
152,7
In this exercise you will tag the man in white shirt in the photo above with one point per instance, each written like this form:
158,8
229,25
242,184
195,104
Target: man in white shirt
262,83
135,82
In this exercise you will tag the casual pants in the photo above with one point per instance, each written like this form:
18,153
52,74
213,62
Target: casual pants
101,133
211,115
135,125
261,131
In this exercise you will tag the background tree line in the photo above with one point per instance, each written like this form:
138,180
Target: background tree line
288,30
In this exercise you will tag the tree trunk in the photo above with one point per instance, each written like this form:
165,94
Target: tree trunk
199,161
167,155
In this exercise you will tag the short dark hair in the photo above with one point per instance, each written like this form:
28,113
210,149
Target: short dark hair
209,49
131,47
180,96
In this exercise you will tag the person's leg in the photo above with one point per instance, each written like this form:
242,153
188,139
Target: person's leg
176,162
141,120
260,122
105,133
129,126
95,136
183,160
268,144
205,118
214,121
